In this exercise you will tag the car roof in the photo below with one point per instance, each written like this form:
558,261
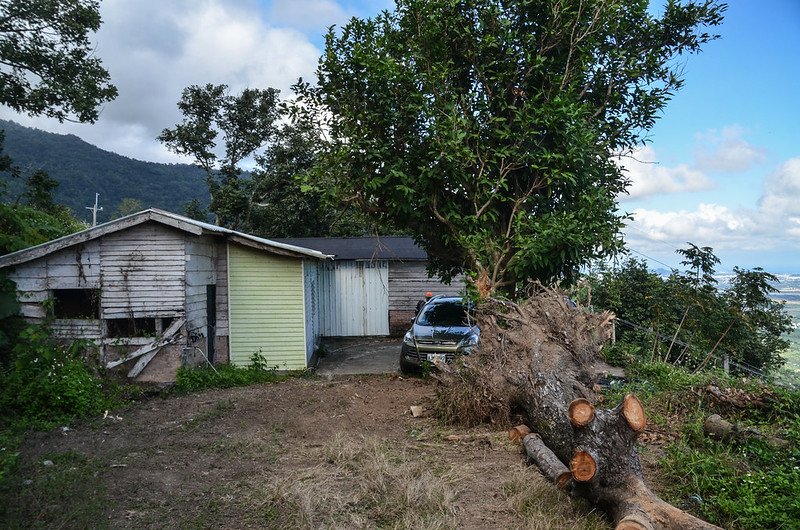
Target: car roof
446,299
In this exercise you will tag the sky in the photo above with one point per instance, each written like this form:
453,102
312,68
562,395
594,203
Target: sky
721,168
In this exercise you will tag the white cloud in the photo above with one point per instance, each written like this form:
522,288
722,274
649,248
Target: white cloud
782,190
154,49
649,177
726,151
773,224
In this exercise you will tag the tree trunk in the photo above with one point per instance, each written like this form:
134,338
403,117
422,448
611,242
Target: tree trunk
539,362
717,428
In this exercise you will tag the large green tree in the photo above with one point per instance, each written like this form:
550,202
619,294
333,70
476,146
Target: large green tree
488,127
47,64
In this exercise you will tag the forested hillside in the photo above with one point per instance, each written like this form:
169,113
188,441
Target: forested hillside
83,170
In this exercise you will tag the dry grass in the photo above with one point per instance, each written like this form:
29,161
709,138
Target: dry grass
541,506
362,483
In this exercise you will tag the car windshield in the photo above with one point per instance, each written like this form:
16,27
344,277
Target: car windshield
444,314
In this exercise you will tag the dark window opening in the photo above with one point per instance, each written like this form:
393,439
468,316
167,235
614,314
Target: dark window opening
136,327
76,303
131,327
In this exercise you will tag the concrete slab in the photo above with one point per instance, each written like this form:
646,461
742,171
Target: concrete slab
360,355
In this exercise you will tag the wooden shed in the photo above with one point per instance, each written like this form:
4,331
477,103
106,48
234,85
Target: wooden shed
156,290
373,284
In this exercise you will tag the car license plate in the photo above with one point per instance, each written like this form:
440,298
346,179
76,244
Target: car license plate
433,357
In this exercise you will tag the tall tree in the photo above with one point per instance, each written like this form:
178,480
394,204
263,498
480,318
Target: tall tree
246,122
487,127
270,199
47,64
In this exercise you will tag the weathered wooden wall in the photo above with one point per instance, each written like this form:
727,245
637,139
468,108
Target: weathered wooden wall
311,295
143,270
408,283
76,267
201,254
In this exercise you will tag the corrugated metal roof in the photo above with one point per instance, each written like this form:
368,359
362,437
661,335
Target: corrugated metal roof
362,248
166,218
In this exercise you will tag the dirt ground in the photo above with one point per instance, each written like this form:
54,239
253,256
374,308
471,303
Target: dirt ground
313,453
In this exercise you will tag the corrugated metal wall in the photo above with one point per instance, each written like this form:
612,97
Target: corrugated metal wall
354,298
265,297
311,290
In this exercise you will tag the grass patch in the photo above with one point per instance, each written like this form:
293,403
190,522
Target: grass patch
65,493
220,408
541,506
224,376
362,483
734,485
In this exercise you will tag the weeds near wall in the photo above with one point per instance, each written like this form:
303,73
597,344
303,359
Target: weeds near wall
47,383
227,375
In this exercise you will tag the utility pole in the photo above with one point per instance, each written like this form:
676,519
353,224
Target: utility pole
95,209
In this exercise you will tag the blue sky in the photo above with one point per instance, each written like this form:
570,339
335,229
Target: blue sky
722,167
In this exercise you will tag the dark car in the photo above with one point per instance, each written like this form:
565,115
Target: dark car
442,329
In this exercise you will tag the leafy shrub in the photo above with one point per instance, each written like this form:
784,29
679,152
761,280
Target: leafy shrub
684,318
226,375
47,383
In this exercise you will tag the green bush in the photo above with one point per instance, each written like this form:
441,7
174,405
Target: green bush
47,383
226,375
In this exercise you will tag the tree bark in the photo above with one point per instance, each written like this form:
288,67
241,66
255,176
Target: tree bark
539,362
719,429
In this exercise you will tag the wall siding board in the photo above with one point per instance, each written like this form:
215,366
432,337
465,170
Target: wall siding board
408,283
143,269
266,308
201,254
221,266
77,328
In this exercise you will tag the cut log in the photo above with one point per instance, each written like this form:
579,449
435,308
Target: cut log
537,360
547,462
633,411
581,412
719,429
518,433
582,466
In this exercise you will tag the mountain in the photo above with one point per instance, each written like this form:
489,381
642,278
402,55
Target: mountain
82,170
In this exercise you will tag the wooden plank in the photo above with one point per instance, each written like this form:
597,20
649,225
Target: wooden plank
77,328
153,345
32,311
30,284
33,296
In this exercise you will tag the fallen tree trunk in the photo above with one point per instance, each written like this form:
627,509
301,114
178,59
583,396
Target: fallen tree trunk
719,429
538,362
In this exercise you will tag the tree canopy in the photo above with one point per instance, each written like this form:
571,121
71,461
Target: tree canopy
684,318
268,199
47,64
487,128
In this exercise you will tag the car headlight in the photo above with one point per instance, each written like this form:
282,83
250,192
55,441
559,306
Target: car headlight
409,338
468,343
